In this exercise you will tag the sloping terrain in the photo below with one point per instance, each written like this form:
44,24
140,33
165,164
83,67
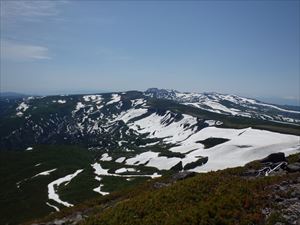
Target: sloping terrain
57,151
243,195
230,105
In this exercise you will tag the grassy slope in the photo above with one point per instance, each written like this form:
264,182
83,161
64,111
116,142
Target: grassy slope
214,198
222,197
18,204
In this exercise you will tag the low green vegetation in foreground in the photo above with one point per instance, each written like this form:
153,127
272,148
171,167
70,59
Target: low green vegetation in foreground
220,198
213,198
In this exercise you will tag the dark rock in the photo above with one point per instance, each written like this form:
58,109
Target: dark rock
284,183
199,162
294,167
266,211
293,194
274,158
278,198
183,175
283,188
177,167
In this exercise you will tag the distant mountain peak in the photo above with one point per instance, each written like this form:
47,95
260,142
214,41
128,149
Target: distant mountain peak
229,104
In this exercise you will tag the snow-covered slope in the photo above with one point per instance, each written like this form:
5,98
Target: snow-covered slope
129,123
133,136
229,105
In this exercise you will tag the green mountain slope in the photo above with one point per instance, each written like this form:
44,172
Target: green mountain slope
58,151
230,196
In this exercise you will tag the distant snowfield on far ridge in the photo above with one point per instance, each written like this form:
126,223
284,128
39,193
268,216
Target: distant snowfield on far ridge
229,104
114,98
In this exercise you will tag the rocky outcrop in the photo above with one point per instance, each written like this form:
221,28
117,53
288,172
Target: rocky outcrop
273,165
294,167
183,175
73,219
286,197
274,158
174,178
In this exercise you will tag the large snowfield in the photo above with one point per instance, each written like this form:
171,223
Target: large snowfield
244,145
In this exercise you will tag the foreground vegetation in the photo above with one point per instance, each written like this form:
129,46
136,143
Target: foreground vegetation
222,197
213,198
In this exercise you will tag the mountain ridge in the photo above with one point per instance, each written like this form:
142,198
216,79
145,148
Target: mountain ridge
87,115
68,148
228,104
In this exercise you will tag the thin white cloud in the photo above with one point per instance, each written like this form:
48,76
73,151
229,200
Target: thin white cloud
22,52
13,15
29,10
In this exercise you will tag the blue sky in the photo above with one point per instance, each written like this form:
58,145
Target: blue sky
250,48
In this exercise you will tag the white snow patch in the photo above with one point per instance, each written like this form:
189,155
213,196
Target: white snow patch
142,158
51,187
275,107
78,107
123,170
219,107
163,163
106,157
45,173
61,101
97,98
213,122
52,206
158,127
149,144
245,147
130,114
114,98
98,189
137,102
19,114
99,170
120,160
22,107
155,175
